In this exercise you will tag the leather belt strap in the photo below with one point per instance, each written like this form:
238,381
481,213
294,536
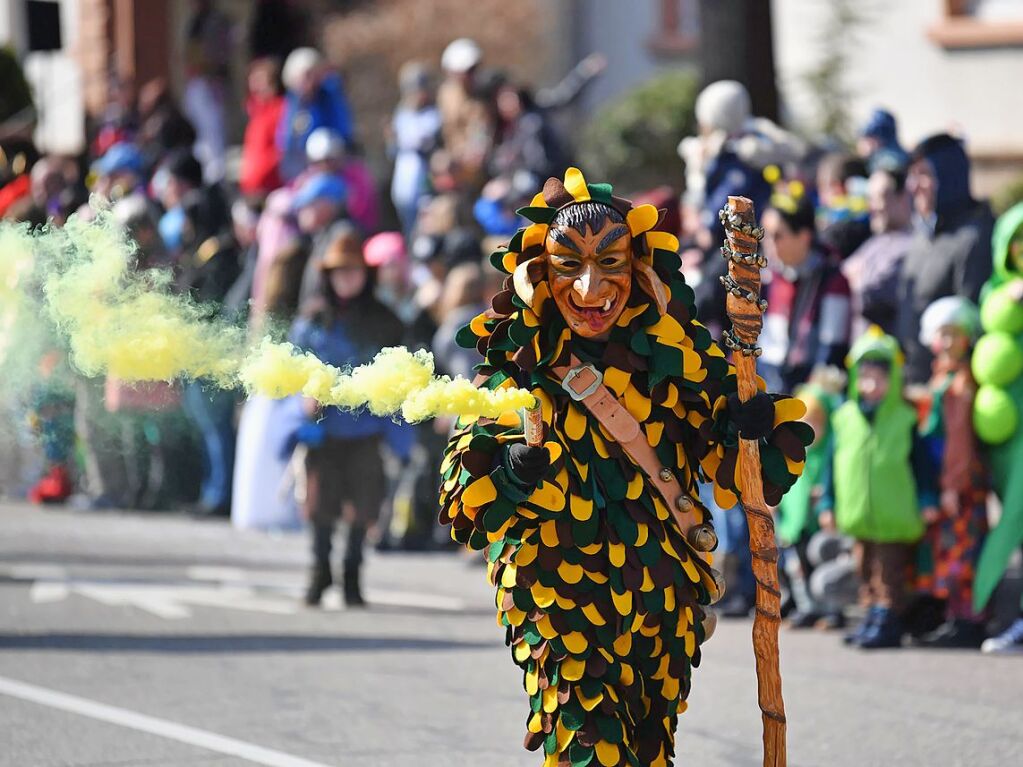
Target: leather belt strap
584,383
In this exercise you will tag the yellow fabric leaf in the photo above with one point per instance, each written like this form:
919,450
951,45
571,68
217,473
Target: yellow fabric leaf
575,185
616,553
589,703
572,669
526,554
535,234
575,642
641,219
593,615
623,645
508,576
654,431
788,409
480,492
534,723
550,699
637,404
622,602
546,628
662,240
571,573
616,380
548,496
575,424
549,534
532,683
607,753
542,595
635,487
582,508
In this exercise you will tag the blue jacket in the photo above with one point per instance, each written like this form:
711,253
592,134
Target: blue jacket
353,338
328,108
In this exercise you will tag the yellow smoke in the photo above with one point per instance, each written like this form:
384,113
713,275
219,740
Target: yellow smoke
127,323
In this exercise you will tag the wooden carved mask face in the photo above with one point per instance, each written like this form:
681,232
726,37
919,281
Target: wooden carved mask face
590,267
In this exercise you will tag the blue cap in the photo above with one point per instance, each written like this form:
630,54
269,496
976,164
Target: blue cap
322,186
880,125
119,158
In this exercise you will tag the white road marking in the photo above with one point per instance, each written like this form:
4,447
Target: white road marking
168,601
275,592
182,733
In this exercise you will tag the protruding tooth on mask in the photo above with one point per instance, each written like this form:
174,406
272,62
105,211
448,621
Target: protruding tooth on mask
607,304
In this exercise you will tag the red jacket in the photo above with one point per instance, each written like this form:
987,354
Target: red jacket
260,155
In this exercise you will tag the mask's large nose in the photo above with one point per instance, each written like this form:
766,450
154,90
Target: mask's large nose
588,286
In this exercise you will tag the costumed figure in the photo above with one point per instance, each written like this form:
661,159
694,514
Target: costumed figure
957,525
596,540
998,367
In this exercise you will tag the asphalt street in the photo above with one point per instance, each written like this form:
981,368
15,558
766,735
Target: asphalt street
133,639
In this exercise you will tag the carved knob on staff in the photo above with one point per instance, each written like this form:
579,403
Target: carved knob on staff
744,305
532,424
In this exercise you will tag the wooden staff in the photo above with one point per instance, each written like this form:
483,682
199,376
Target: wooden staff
745,309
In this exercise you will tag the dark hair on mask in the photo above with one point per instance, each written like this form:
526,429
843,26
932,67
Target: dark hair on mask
579,215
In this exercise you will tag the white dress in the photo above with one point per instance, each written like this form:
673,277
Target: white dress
263,496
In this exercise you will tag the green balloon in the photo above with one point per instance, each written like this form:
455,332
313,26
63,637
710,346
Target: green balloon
997,359
995,416
1000,312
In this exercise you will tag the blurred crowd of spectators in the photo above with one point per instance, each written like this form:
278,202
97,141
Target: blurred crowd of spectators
306,242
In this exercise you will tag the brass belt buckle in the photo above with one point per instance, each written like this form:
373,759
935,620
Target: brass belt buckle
571,375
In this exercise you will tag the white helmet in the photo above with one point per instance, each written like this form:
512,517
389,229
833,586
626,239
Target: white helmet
461,55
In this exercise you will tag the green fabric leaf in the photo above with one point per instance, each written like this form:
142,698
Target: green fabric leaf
600,192
538,215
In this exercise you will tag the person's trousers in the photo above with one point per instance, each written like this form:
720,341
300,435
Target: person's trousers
323,535
882,568
212,411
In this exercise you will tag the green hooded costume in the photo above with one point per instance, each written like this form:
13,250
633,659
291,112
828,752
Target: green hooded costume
998,367
875,492
797,512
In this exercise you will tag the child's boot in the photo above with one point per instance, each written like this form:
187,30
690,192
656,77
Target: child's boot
319,581
886,632
865,626
351,587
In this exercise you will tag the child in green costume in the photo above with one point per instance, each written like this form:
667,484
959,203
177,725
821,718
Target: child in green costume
956,528
998,367
880,482
797,514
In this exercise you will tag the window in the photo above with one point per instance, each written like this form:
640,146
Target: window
678,27
979,24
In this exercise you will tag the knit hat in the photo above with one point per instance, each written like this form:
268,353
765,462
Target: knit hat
724,106
881,126
950,310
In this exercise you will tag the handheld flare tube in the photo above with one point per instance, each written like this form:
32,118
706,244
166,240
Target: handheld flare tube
532,424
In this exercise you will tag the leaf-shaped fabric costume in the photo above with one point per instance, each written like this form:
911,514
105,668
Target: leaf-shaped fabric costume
601,596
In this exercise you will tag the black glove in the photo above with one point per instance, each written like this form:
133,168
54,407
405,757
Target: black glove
754,419
528,465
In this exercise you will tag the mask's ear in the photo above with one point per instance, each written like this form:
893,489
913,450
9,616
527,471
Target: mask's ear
647,278
522,278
